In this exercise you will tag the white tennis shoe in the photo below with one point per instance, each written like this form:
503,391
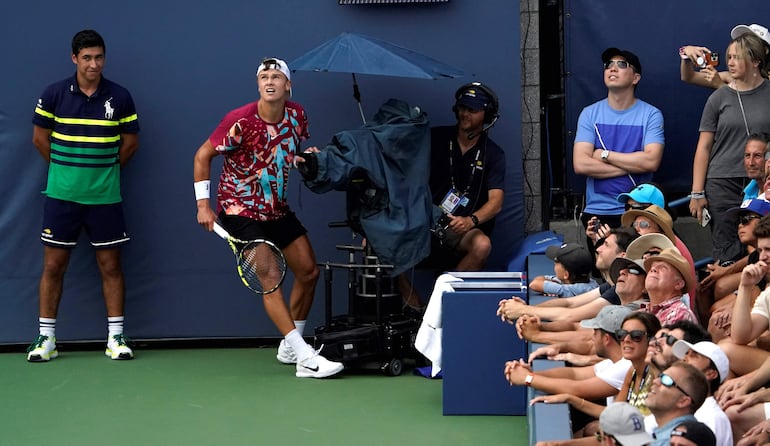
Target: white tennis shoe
316,366
117,347
42,349
286,354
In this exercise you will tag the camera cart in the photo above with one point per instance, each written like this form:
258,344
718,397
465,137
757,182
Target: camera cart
375,334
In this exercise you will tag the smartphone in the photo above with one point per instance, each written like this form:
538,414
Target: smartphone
705,218
707,59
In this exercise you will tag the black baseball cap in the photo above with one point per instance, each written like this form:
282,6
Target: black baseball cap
630,57
574,257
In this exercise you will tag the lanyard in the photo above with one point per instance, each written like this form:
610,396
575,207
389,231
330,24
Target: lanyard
601,141
641,384
452,168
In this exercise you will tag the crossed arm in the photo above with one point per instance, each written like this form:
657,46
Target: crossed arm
587,160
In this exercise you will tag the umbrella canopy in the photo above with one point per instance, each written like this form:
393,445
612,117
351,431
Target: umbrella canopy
359,54
356,53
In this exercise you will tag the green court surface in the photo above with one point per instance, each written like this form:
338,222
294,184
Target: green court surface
225,396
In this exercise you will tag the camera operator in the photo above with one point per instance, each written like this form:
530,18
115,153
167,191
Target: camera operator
466,180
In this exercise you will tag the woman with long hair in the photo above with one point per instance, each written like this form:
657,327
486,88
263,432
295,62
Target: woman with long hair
730,115
635,334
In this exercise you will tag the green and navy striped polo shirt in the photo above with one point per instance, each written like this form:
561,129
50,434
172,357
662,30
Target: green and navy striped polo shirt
85,139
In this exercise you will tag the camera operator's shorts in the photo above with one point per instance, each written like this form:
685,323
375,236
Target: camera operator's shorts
281,232
63,221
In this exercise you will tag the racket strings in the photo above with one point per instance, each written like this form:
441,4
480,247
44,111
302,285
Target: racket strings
262,266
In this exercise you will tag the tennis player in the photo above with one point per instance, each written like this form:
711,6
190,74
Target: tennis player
260,142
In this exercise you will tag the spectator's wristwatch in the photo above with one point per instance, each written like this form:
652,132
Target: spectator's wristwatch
475,220
605,155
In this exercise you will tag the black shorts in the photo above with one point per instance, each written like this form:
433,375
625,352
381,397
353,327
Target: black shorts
281,232
63,221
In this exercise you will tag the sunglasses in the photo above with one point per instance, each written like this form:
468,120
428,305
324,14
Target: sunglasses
670,339
622,64
641,224
634,271
636,335
637,206
746,218
668,381
271,63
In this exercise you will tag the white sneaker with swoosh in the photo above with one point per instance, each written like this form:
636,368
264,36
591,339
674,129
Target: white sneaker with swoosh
316,366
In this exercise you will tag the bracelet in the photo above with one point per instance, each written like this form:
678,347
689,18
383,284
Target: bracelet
202,189
698,195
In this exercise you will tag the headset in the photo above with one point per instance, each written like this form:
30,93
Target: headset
491,110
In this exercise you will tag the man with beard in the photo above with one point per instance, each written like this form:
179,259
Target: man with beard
674,397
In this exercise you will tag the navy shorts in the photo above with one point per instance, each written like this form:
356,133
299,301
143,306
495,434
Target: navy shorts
63,221
281,232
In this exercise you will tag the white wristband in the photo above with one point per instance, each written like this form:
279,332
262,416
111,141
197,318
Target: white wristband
202,189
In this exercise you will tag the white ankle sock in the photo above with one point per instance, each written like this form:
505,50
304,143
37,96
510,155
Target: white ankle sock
300,327
47,327
114,325
299,345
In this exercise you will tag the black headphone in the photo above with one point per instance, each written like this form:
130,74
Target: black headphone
491,110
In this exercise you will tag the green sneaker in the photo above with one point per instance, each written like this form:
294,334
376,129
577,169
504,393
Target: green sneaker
117,347
42,349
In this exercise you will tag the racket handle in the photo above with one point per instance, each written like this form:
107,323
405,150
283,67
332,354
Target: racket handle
221,231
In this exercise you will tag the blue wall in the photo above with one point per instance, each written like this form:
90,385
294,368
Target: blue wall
654,31
186,67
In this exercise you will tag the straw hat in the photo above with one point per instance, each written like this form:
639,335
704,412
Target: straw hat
644,243
673,258
654,213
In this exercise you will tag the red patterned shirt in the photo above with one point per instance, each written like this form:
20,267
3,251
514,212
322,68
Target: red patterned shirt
258,156
670,311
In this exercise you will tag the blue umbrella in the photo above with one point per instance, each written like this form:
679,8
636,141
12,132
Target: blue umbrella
357,53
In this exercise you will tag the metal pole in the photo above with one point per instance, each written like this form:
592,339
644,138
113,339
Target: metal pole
357,95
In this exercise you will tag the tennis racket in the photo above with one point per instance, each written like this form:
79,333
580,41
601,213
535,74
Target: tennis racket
261,265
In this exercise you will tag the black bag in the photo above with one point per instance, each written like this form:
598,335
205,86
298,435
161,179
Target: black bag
369,345
350,344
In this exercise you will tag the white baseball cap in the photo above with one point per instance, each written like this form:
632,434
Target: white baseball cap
273,63
707,349
759,30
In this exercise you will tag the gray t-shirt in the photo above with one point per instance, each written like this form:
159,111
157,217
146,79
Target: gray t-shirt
722,115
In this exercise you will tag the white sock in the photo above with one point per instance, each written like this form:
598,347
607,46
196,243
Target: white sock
47,327
300,327
114,325
301,348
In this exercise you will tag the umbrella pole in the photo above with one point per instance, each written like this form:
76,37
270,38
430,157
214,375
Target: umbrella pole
357,96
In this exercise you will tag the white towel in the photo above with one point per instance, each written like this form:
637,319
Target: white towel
428,339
